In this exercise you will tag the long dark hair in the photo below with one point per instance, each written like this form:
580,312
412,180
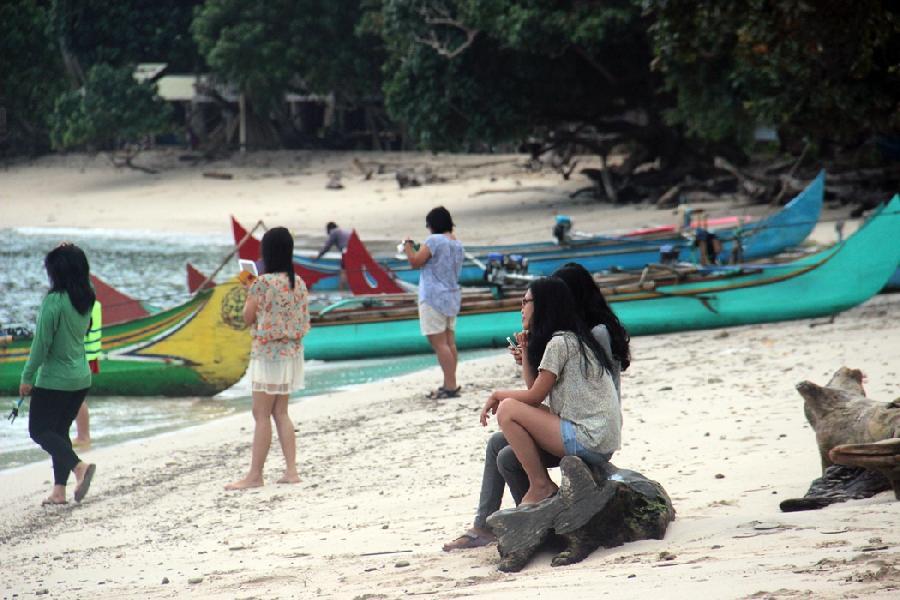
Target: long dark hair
595,310
278,252
69,272
554,310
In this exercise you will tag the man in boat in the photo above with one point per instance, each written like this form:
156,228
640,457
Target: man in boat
338,237
706,241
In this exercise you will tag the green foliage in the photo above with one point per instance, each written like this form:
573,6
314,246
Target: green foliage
30,73
128,31
268,48
462,72
825,71
111,110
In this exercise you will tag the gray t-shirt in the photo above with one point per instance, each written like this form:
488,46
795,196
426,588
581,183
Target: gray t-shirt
590,403
439,277
337,238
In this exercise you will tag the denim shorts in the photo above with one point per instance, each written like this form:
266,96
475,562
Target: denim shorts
574,448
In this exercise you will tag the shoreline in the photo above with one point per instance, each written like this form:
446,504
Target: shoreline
388,476
385,471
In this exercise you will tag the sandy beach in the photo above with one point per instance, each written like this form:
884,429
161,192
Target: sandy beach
389,476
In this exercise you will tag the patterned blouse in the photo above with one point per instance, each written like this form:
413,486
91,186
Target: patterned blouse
282,317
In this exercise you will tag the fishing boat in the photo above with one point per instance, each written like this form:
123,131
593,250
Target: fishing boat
765,237
820,284
197,348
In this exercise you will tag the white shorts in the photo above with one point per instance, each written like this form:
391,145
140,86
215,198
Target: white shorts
432,322
276,377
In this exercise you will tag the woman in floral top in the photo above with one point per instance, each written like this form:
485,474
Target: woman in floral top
277,311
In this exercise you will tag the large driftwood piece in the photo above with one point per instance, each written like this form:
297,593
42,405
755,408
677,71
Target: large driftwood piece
857,433
841,414
594,508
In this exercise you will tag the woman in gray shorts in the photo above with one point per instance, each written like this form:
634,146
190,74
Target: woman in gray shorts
439,261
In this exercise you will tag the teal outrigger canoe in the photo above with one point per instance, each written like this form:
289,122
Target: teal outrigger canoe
821,284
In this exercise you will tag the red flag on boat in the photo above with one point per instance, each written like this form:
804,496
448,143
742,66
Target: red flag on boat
195,279
248,247
364,275
117,307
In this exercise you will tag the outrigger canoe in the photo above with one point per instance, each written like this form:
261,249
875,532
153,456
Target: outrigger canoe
198,348
789,227
820,284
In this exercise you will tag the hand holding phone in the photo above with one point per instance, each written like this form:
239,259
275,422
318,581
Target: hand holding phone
515,350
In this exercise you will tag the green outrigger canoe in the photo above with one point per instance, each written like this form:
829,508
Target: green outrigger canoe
821,284
198,348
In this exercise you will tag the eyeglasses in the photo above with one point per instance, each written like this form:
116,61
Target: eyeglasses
526,301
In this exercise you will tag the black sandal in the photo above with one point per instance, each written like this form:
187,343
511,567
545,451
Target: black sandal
443,392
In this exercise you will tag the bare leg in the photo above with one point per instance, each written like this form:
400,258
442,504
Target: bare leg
451,341
285,428
446,357
528,428
82,426
262,439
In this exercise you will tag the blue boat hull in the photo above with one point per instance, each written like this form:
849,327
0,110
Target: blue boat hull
783,230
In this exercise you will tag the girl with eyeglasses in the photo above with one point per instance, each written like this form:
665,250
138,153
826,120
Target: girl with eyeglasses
564,364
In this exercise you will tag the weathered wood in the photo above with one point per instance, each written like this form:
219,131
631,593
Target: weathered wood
594,507
841,414
882,457
854,431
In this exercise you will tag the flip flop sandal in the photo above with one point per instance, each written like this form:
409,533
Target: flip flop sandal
48,502
443,392
470,539
82,489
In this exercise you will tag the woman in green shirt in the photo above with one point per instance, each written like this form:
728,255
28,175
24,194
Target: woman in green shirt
57,375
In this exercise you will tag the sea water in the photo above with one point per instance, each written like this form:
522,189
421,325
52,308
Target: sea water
151,268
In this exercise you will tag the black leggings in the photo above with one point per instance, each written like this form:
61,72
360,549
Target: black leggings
50,415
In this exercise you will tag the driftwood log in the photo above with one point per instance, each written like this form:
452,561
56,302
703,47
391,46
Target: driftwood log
854,431
594,507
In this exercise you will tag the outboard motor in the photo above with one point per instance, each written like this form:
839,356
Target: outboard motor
498,267
562,230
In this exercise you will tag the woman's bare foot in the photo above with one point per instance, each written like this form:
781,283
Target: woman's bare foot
245,483
81,442
536,494
289,478
57,496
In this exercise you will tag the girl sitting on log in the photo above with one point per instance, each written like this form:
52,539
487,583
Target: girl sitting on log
562,360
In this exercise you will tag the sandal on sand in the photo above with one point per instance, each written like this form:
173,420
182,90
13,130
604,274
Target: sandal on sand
49,502
470,539
82,489
443,392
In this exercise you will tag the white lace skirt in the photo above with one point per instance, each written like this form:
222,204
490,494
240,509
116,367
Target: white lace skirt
276,377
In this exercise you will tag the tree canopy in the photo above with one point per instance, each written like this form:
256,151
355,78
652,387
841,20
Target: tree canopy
658,76
111,109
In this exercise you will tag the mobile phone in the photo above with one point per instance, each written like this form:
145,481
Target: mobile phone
249,266
511,343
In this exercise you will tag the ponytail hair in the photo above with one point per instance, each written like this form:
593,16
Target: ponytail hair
594,310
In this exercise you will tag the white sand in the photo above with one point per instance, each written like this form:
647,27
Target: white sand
388,476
